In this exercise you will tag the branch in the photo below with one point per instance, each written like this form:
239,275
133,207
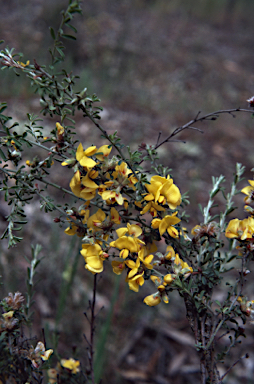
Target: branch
108,138
209,116
232,366
91,322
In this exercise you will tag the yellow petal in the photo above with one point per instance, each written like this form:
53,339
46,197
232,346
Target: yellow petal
114,215
105,152
87,162
90,151
134,230
152,300
79,152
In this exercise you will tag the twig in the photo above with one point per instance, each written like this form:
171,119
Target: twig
91,321
232,366
104,132
209,116
159,135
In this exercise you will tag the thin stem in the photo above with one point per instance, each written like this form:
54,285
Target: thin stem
209,116
232,366
109,139
92,329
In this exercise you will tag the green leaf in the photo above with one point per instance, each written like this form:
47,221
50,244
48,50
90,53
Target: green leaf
52,32
59,50
3,155
71,27
69,37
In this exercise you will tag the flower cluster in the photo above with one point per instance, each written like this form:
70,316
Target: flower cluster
110,185
243,230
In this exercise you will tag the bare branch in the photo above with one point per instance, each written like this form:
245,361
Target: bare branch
209,116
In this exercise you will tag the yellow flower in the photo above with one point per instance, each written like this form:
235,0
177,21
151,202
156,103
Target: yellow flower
152,300
83,187
94,257
147,250
95,221
162,190
74,230
99,221
83,157
71,364
46,355
232,229
8,315
241,229
135,282
152,208
146,260
170,253
104,151
134,267
60,129
75,184
156,280
249,191
115,216
22,64
118,266
111,190
121,171
52,375
40,352
168,279
195,230
247,227
181,266
129,243
166,224
113,196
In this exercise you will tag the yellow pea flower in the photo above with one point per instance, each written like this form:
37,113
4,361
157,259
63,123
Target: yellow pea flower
8,315
118,266
22,64
162,190
127,243
105,151
168,279
249,191
241,229
95,221
60,129
94,257
146,260
152,300
166,224
121,171
113,196
73,229
83,156
232,229
170,253
114,216
134,267
71,364
135,282
152,208
86,192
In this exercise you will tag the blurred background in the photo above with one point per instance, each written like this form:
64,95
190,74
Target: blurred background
154,64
